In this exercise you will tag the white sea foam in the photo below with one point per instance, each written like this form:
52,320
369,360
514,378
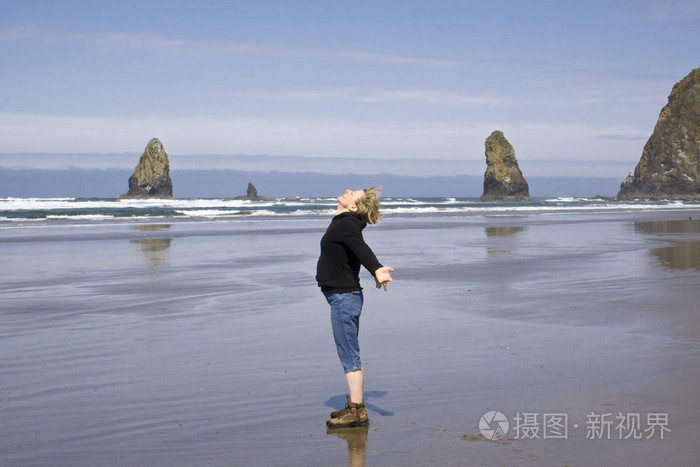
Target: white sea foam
80,217
209,213
95,210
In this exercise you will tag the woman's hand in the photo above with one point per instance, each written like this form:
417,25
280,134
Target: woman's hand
382,276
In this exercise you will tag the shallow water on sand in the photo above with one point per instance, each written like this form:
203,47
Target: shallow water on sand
209,344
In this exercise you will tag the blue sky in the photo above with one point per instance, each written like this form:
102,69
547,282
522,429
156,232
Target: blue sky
412,87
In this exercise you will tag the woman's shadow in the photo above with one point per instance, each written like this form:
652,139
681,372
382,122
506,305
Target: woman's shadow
338,402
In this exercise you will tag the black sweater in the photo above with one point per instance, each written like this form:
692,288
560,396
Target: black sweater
343,250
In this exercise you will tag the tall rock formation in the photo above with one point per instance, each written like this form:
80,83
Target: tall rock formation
151,177
668,168
503,180
251,194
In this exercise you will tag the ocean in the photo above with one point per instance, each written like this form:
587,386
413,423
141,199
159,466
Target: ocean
91,210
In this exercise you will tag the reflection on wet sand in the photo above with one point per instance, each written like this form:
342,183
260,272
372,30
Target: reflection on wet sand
153,247
357,440
683,255
503,232
683,251
689,226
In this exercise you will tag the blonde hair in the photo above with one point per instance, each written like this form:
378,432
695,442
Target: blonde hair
368,205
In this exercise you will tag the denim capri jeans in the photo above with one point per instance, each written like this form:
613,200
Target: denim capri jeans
345,319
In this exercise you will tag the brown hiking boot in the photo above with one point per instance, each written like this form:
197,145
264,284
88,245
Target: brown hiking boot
336,413
352,415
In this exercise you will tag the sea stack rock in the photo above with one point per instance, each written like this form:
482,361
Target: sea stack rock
252,194
503,180
668,168
151,177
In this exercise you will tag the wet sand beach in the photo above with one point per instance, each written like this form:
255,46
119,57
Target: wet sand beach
208,343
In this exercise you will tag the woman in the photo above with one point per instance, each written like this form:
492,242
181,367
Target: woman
343,251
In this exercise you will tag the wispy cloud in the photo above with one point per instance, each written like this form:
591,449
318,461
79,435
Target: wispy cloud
657,11
541,81
455,140
372,95
312,137
180,45
664,11
623,137
549,92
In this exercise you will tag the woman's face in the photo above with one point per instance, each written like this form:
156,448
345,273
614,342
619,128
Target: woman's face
350,198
